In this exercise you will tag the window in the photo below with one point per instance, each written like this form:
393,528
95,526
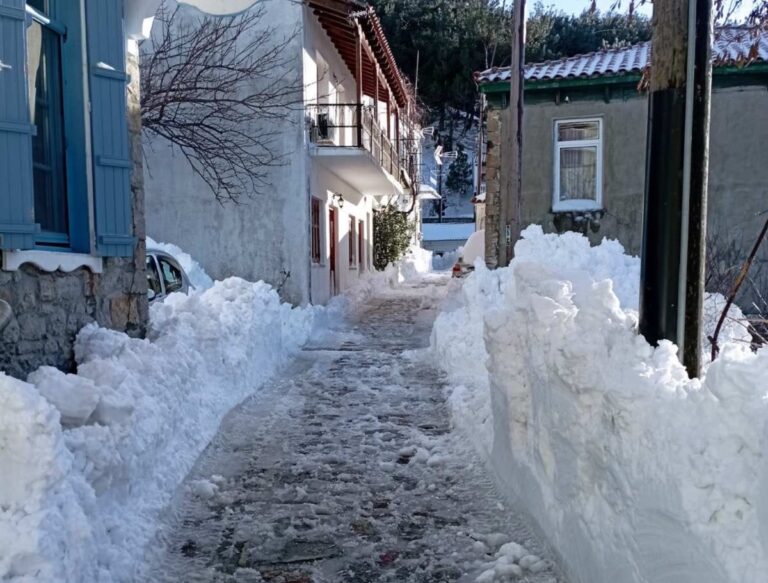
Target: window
352,241
153,279
315,230
171,275
361,243
65,64
578,165
46,104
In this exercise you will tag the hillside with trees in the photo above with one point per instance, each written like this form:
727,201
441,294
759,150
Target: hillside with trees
454,38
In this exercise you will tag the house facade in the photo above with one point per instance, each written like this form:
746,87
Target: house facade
350,147
71,199
584,132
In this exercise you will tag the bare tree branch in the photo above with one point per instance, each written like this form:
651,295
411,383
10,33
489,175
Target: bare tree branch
221,89
740,278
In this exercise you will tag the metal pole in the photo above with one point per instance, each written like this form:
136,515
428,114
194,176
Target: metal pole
511,209
671,287
440,192
695,204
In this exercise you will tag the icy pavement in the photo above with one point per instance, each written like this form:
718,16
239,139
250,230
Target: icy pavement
347,471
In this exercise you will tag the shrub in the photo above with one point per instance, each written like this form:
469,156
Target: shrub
392,232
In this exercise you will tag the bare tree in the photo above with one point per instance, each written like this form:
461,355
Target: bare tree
220,89
740,279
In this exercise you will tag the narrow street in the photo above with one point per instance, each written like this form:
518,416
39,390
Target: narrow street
345,470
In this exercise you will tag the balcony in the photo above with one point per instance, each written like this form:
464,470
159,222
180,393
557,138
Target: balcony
347,140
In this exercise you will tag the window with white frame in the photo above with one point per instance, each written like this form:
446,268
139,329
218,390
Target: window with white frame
578,165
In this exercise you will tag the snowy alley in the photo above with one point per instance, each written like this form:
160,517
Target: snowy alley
346,469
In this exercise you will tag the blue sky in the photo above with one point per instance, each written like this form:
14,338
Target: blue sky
577,6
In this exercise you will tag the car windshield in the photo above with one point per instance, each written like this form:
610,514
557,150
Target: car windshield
153,280
171,275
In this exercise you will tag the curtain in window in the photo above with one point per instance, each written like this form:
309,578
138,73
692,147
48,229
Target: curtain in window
578,173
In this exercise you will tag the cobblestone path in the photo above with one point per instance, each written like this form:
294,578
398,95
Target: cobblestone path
345,470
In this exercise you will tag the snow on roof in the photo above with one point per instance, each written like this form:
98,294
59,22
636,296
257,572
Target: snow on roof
447,231
426,192
732,46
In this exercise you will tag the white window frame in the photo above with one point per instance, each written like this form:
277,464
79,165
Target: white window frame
578,204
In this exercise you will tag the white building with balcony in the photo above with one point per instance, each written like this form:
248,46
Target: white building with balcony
351,147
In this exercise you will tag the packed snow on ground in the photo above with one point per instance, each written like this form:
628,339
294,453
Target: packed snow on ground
88,461
635,473
197,275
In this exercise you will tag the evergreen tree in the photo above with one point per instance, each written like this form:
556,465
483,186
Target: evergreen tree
459,178
392,232
454,38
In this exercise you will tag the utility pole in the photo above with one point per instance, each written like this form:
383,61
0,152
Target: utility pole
674,232
440,192
510,207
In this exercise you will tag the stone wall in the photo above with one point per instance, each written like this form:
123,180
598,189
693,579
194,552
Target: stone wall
48,309
493,173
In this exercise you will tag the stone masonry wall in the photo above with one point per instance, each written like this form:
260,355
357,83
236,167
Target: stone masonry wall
493,186
48,309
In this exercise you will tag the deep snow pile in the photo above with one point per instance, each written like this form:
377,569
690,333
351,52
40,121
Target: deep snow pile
634,472
88,461
197,275
415,262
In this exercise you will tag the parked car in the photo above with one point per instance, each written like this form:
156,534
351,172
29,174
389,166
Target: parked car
472,250
164,275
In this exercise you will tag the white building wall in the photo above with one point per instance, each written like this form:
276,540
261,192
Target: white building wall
324,185
268,236
328,80
265,237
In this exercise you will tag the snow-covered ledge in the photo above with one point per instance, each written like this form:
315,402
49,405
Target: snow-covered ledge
139,14
51,261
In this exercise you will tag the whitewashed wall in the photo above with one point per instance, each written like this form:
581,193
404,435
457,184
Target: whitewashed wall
267,235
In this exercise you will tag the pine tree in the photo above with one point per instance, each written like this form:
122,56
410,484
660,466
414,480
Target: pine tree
459,178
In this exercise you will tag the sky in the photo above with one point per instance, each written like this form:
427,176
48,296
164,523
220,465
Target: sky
578,6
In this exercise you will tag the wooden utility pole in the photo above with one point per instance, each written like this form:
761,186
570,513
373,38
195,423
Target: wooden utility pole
510,207
674,237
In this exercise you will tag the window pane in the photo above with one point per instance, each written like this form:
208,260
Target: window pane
153,281
171,276
46,113
39,5
315,230
578,173
578,130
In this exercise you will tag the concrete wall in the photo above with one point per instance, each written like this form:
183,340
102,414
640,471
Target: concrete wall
737,175
49,308
264,237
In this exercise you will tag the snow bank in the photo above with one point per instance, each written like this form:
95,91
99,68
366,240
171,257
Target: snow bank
416,262
635,473
88,461
445,261
412,266
197,275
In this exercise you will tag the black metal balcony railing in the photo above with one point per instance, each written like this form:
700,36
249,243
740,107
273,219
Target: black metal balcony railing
354,125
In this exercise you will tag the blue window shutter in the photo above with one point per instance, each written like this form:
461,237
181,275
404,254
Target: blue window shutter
109,127
17,202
